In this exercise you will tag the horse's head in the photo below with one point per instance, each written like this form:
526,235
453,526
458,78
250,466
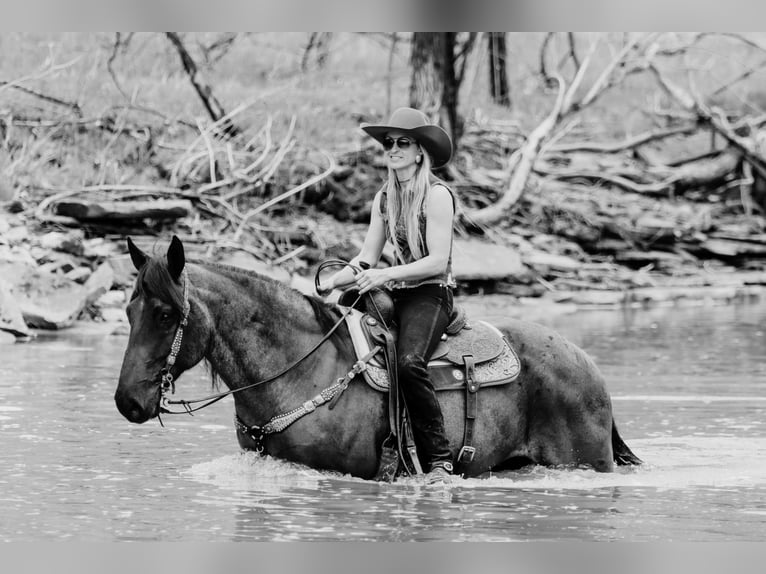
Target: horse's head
159,342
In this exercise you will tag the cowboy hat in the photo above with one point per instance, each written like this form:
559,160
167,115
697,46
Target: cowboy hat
415,124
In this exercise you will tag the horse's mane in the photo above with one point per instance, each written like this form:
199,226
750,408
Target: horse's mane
326,314
154,280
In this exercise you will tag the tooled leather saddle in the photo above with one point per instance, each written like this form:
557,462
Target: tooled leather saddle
470,356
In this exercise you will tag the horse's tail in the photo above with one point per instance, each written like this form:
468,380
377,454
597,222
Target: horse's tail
623,456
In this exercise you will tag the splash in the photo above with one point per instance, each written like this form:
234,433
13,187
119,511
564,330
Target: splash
670,463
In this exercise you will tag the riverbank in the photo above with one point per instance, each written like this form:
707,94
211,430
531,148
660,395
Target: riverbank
94,304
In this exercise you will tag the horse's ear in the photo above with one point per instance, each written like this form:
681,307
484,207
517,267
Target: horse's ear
136,255
176,258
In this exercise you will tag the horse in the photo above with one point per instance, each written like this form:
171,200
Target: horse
275,348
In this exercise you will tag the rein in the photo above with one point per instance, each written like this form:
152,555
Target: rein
167,383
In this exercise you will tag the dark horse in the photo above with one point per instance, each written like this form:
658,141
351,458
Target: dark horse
250,328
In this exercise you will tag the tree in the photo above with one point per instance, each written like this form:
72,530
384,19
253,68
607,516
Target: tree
498,72
203,89
438,61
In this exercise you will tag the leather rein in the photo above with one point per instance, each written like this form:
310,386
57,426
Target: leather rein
167,382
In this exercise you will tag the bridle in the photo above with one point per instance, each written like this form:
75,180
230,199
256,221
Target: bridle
167,381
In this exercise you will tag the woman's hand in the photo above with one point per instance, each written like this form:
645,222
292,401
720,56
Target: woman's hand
324,287
372,279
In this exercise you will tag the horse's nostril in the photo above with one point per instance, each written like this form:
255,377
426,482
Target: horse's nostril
130,408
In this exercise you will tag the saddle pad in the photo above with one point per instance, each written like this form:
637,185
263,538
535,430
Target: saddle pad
445,376
495,361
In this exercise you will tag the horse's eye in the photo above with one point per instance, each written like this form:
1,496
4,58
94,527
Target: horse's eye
165,317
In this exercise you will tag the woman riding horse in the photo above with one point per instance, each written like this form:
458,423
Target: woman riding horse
413,211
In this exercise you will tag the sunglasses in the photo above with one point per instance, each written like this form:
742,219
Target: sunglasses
402,142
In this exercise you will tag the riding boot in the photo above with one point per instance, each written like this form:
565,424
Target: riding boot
425,413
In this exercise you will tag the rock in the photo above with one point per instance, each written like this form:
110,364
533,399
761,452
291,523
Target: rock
99,248
112,299
474,260
17,235
70,242
100,281
58,263
79,275
46,301
16,255
124,271
113,315
11,318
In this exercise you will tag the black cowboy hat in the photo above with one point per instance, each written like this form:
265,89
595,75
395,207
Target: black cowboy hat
415,124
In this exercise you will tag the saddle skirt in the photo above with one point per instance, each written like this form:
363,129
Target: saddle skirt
493,360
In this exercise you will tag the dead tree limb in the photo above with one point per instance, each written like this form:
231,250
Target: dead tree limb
573,49
73,106
261,208
525,160
631,143
713,117
634,56
205,92
547,79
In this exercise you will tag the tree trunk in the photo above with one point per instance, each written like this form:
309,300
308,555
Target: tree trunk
205,92
498,71
434,86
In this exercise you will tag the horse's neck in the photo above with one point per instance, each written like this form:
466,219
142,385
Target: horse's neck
260,328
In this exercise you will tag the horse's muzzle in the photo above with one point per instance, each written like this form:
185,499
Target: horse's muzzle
137,409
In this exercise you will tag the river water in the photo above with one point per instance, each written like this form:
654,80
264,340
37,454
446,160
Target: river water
689,394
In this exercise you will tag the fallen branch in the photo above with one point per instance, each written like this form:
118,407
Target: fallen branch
523,161
713,117
261,208
631,143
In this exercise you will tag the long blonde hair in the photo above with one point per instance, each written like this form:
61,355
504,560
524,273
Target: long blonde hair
405,203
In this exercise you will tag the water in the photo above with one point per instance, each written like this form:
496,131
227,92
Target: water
689,396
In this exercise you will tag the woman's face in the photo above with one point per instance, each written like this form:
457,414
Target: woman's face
400,154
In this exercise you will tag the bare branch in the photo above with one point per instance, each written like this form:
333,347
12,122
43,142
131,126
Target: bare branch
261,208
47,71
605,79
203,89
573,49
630,143
547,79
526,158
568,104
714,118
728,84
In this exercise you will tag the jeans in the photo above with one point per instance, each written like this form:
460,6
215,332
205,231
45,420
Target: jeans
422,314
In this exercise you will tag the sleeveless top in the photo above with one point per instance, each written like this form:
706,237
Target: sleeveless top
443,278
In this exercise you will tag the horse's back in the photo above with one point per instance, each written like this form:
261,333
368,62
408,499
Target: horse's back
560,404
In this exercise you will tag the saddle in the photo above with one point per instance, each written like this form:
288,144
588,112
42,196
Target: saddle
470,356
